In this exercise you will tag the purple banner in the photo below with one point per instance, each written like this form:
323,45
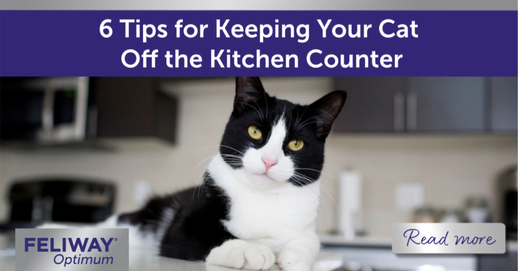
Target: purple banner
259,43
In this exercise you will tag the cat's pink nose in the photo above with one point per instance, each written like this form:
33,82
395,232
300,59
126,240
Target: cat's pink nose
269,163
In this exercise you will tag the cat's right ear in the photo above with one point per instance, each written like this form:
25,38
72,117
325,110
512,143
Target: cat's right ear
325,111
249,91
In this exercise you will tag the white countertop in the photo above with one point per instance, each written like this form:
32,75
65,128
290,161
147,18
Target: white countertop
141,260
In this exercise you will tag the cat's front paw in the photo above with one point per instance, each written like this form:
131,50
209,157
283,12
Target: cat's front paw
239,254
294,260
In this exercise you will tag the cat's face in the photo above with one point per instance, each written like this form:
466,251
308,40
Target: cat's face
273,142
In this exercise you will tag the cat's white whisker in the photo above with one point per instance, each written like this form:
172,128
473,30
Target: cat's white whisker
300,117
214,146
305,123
330,191
193,169
206,148
308,123
319,171
231,148
260,110
197,189
299,175
261,117
201,189
327,214
266,105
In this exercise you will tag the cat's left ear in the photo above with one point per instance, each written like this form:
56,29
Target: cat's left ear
325,111
249,91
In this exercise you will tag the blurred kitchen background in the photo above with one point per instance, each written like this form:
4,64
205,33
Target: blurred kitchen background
404,149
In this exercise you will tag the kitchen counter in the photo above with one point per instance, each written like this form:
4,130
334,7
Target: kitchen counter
141,260
376,253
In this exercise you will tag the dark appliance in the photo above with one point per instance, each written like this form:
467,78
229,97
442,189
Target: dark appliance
508,187
59,199
43,110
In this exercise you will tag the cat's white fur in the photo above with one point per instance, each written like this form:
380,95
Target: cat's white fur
267,213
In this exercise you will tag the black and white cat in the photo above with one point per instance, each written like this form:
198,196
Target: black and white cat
260,196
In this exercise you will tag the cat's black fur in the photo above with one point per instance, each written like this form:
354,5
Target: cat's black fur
196,227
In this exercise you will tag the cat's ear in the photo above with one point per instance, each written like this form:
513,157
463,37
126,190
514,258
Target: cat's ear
325,110
249,91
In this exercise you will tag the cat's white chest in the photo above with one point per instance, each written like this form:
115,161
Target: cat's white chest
271,219
254,215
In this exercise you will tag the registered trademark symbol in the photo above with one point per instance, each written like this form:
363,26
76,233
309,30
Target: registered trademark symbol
115,239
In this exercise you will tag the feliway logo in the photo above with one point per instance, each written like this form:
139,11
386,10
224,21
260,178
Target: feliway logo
44,244
72,248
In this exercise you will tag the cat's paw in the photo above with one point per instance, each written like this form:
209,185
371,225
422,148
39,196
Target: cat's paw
239,254
294,260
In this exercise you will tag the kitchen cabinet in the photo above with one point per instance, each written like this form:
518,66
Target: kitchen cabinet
374,104
504,104
428,104
445,104
130,107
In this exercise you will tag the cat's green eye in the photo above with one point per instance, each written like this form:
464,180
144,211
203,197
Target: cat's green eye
254,132
295,144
